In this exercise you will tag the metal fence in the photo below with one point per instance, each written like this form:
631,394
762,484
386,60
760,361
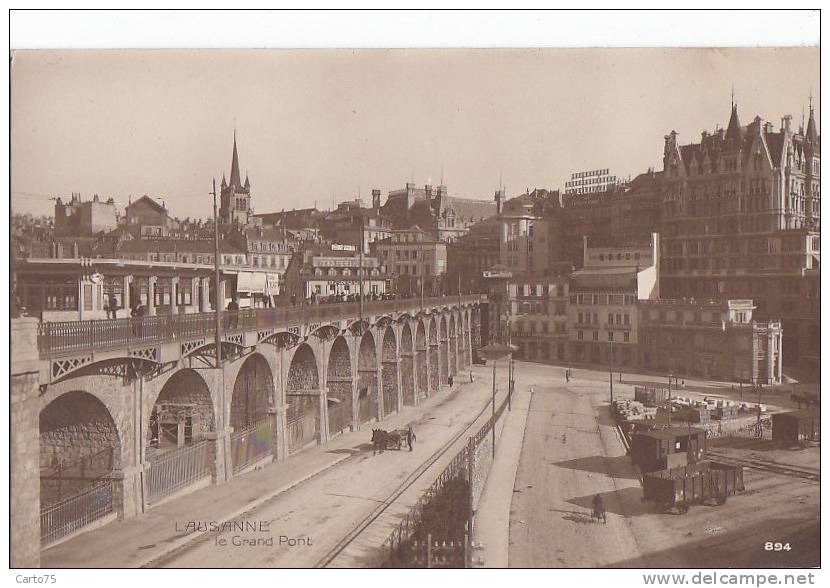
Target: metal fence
251,444
340,417
177,469
472,463
303,431
67,337
70,515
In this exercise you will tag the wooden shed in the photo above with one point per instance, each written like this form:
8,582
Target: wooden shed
668,448
795,427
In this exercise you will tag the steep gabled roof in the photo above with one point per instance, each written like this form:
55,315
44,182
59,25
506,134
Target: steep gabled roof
734,133
151,202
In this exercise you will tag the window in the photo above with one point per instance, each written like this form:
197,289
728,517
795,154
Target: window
610,335
579,335
596,335
626,319
579,318
626,336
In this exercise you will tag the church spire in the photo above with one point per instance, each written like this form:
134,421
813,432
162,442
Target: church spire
733,131
812,133
235,180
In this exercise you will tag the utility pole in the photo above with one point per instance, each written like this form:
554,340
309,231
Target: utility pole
360,277
611,369
217,308
493,413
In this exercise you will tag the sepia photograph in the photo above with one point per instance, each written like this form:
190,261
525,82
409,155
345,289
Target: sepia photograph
407,305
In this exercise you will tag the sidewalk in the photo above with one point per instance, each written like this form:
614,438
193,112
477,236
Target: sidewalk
492,524
140,541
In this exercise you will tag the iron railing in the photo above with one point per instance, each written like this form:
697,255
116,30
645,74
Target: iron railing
70,515
302,431
340,417
398,545
251,444
177,469
68,337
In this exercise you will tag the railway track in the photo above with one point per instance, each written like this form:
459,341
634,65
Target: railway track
768,467
364,523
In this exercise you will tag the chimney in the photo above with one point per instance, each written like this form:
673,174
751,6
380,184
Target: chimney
376,199
428,190
787,123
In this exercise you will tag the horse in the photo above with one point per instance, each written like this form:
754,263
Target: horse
381,440
598,511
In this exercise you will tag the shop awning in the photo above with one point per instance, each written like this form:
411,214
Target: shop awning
253,283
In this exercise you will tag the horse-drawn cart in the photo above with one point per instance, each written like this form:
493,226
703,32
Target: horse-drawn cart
383,440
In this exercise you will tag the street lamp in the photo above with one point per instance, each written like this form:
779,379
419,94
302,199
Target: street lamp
494,352
669,400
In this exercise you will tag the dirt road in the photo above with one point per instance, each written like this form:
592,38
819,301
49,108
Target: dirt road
571,453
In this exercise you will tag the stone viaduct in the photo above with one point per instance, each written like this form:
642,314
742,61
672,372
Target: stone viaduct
119,415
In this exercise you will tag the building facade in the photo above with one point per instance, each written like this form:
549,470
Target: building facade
709,339
413,258
77,218
539,317
321,272
741,219
604,297
147,218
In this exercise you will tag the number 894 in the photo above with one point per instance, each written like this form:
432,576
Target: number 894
770,546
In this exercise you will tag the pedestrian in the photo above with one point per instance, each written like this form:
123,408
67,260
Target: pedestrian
112,306
137,314
233,307
471,376
410,437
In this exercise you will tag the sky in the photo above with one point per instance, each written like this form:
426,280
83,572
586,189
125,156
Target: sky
317,126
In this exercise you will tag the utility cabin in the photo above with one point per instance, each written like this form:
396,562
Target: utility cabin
664,449
796,427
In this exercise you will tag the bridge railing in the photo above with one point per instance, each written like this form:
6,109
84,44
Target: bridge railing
70,337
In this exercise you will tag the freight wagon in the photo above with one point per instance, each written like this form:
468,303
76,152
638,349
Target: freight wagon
702,483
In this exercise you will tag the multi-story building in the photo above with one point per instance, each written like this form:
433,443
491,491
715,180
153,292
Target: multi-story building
146,218
538,309
412,259
710,339
77,218
741,219
235,197
604,297
445,217
591,182
353,224
320,271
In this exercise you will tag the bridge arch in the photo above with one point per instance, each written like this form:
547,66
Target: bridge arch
302,394
390,374
421,361
252,392
80,445
339,381
407,366
182,412
367,378
433,355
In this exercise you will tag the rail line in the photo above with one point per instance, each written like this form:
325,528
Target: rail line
349,538
769,467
